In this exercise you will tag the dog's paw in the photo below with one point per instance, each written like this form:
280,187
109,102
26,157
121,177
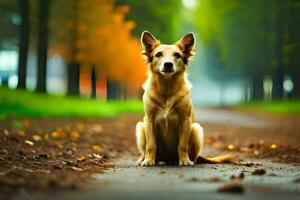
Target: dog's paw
139,161
148,162
185,162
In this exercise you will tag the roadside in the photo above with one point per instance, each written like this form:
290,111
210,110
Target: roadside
48,154
254,135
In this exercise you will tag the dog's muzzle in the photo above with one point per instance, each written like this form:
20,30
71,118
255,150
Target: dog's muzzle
168,67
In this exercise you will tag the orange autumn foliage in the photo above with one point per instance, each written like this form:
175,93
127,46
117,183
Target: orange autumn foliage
104,41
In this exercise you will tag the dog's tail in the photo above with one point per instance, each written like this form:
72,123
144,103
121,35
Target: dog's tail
216,160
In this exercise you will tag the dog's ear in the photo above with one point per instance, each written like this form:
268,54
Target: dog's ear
187,45
149,43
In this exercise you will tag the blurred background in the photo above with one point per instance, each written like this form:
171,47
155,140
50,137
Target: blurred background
246,50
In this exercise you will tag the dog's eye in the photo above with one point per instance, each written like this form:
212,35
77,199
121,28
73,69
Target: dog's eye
158,55
177,55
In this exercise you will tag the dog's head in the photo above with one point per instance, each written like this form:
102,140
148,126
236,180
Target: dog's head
168,59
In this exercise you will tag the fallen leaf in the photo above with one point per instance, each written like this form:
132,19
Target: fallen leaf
81,158
240,176
97,128
258,172
46,136
215,179
29,142
6,132
74,135
230,146
245,149
261,142
37,138
273,146
97,156
3,151
21,133
232,188
193,179
55,134
76,168
80,126
96,147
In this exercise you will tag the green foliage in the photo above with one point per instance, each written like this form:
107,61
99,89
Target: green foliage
279,107
162,18
242,31
25,103
9,21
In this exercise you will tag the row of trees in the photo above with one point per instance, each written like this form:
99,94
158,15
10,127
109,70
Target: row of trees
252,39
93,36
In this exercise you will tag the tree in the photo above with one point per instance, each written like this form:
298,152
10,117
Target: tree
23,43
10,20
292,45
104,43
74,65
42,45
280,30
242,32
65,21
93,83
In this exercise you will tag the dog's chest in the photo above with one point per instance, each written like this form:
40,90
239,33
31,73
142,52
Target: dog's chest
166,117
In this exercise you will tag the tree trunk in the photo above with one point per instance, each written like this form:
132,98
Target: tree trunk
23,43
296,84
112,90
94,82
294,29
277,90
257,87
42,46
74,66
73,79
125,93
278,72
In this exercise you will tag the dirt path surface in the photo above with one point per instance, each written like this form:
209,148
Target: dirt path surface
127,181
268,148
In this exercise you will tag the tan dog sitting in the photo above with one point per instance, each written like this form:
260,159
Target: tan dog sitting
168,132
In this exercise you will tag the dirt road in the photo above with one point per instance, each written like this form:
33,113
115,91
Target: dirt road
269,149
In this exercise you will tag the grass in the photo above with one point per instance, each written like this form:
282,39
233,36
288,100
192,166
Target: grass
26,103
277,107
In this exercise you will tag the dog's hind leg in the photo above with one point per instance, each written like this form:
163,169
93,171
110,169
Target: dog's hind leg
140,140
196,141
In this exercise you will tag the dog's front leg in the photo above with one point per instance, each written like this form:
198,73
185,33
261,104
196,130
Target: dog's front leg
183,146
150,152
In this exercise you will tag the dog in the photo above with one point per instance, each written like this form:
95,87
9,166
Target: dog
169,133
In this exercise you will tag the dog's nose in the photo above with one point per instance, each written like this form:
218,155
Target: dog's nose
168,67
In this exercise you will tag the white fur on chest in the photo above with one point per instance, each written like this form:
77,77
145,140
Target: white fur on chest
166,117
